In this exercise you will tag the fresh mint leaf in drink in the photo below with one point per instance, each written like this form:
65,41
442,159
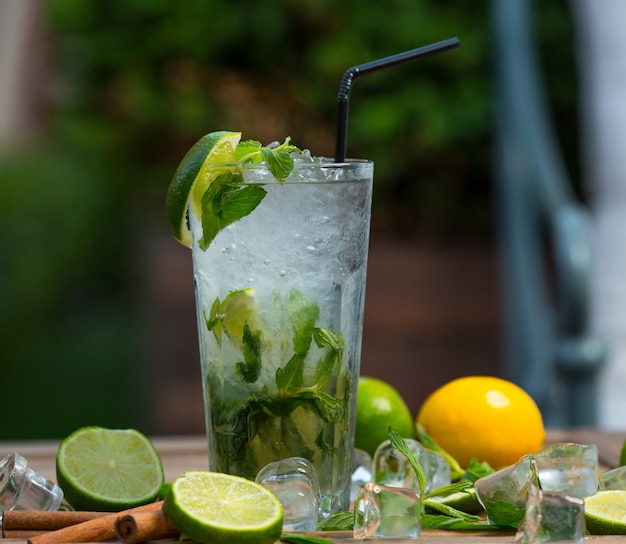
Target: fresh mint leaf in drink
225,201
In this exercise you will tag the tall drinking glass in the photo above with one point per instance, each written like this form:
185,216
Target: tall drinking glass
280,297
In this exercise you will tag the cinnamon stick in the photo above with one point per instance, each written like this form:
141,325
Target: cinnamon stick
143,526
99,529
21,533
43,520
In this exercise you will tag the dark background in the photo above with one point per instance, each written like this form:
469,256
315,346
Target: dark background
97,322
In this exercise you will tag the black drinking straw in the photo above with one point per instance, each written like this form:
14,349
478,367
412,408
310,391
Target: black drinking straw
352,73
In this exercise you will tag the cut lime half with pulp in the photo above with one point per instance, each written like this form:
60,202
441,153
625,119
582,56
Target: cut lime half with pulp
221,508
108,469
191,179
605,513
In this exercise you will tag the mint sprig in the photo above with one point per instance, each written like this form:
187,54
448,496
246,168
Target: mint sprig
400,444
225,201
292,388
228,199
278,159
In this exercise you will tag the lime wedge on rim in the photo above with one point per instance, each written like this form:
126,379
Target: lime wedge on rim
221,508
108,469
605,513
191,179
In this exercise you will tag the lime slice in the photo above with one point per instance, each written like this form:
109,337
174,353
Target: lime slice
237,310
192,178
108,469
605,513
220,508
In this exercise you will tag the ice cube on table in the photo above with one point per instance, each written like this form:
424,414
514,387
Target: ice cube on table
569,468
361,471
391,467
294,482
21,488
614,479
503,494
552,516
386,512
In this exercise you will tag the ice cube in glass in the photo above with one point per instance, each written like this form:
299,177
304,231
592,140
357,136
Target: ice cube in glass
295,483
386,512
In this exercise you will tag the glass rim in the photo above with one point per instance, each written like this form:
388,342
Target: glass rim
320,162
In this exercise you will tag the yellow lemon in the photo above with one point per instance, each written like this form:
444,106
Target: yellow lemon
483,417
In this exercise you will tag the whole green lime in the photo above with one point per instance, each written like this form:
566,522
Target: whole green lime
378,407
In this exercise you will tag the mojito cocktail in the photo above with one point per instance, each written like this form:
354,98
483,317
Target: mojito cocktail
279,270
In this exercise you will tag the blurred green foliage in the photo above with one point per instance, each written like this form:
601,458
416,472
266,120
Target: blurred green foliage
137,82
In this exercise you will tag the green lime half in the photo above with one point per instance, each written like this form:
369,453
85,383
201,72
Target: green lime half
378,406
191,179
220,508
605,513
108,469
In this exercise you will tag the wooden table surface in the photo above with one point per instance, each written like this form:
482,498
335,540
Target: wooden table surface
182,453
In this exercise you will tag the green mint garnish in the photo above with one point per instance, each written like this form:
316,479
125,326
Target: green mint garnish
225,201
228,199
278,159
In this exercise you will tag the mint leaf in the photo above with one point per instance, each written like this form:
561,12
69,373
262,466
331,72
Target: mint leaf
291,378
453,524
225,201
400,444
450,511
250,368
326,406
446,490
303,314
476,470
504,513
279,163
248,151
325,338
337,521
